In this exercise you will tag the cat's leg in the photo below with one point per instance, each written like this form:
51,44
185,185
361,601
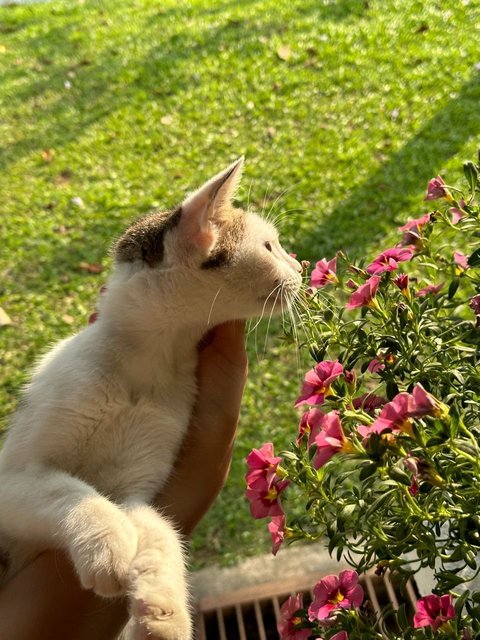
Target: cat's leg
58,510
158,589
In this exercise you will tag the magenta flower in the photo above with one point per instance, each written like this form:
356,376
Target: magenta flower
276,528
389,259
375,365
317,382
436,189
475,304
265,499
290,621
332,593
461,259
324,273
262,465
424,404
310,423
432,289
341,635
394,416
457,214
433,611
401,281
330,440
364,295
415,225
264,484
368,402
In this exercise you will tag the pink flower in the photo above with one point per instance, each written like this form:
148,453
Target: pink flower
401,281
332,593
433,611
341,635
424,404
289,623
265,499
475,304
364,295
429,289
262,465
317,382
264,485
375,365
310,424
461,259
417,224
389,259
368,402
330,440
436,189
324,273
457,214
393,417
276,528
396,415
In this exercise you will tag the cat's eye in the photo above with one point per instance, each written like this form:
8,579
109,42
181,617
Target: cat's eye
268,246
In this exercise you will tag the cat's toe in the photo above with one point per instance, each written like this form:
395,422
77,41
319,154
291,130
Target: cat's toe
162,619
104,564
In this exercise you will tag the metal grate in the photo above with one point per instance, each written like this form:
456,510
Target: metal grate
252,613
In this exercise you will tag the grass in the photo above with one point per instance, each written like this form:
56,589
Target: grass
344,109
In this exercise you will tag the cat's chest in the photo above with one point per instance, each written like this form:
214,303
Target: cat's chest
130,451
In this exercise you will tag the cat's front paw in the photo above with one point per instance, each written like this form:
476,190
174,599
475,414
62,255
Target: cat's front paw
104,557
161,618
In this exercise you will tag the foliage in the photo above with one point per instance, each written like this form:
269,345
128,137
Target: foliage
394,399
342,107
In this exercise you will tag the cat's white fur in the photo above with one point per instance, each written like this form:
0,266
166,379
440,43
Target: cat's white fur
104,415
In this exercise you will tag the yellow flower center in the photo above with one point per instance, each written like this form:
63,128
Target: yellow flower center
272,494
337,598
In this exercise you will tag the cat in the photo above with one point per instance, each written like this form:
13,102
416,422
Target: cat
103,417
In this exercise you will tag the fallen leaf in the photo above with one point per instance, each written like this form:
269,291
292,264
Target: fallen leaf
5,319
68,319
284,52
166,120
77,202
90,267
47,155
271,131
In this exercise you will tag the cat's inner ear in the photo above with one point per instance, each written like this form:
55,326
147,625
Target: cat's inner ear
210,205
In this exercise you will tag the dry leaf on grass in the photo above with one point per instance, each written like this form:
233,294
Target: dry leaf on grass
5,319
284,52
91,267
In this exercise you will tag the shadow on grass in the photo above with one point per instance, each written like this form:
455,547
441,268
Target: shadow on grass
367,213
116,80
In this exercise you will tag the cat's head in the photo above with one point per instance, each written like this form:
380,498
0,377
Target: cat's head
222,262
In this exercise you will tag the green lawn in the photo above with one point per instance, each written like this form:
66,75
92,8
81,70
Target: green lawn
344,109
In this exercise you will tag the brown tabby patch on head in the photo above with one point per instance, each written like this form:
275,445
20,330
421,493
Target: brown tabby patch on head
144,239
231,233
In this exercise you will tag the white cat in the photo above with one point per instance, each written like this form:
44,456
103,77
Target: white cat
104,415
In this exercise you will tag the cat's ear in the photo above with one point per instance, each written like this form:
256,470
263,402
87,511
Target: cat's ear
209,204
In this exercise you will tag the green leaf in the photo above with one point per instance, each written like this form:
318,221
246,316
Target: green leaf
367,470
452,289
474,258
471,174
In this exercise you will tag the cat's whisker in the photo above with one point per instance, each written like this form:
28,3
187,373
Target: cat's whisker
212,305
264,305
268,215
279,293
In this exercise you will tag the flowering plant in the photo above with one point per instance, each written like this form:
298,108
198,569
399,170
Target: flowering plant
386,463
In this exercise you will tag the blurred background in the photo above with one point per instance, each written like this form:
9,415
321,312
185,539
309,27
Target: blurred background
344,109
